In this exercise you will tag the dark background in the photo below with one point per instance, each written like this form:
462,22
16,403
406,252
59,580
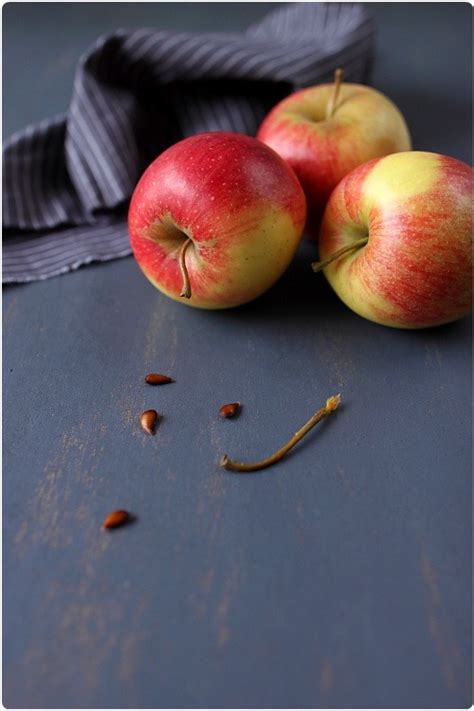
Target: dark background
341,577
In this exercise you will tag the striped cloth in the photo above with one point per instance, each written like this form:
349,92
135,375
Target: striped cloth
67,181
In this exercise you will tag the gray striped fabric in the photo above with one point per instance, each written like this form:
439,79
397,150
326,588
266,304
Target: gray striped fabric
67,181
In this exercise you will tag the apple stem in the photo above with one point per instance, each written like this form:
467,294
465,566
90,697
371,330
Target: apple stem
318,266
338,78
186,290
332,404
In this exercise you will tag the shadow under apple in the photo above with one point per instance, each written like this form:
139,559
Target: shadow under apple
297,296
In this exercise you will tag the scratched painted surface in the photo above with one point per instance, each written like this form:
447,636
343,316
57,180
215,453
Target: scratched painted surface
340,578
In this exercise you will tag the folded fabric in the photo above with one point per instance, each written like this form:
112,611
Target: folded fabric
67,180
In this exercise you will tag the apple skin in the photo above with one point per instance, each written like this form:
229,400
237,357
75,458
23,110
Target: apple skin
365,125
238,201
415,270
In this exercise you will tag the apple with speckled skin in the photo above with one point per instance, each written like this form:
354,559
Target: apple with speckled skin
216,219
402,228
326,131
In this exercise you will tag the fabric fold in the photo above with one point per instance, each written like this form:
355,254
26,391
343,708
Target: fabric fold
67,180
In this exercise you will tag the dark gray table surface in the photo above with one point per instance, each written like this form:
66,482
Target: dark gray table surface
341,577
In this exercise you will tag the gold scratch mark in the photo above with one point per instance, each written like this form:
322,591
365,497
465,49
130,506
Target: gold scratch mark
223,636
210,503
91,631
430,578
214,433
170,475
326,680
85,626
82,513
21,534
161,322
215,492
132,641
74,464
335,350
446,647
231,586
130,404
199,598
206,581
11,310
215,485
49,502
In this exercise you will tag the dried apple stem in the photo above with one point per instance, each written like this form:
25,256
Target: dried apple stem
186,290
332,404
338,78
318,266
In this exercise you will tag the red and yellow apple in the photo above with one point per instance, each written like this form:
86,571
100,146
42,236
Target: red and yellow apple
216,218
402,228
326,131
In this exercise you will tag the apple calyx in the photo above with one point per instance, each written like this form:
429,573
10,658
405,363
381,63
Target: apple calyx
186,290
338,79
319,266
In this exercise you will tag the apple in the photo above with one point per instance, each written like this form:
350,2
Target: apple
395,241
326,131
216,219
